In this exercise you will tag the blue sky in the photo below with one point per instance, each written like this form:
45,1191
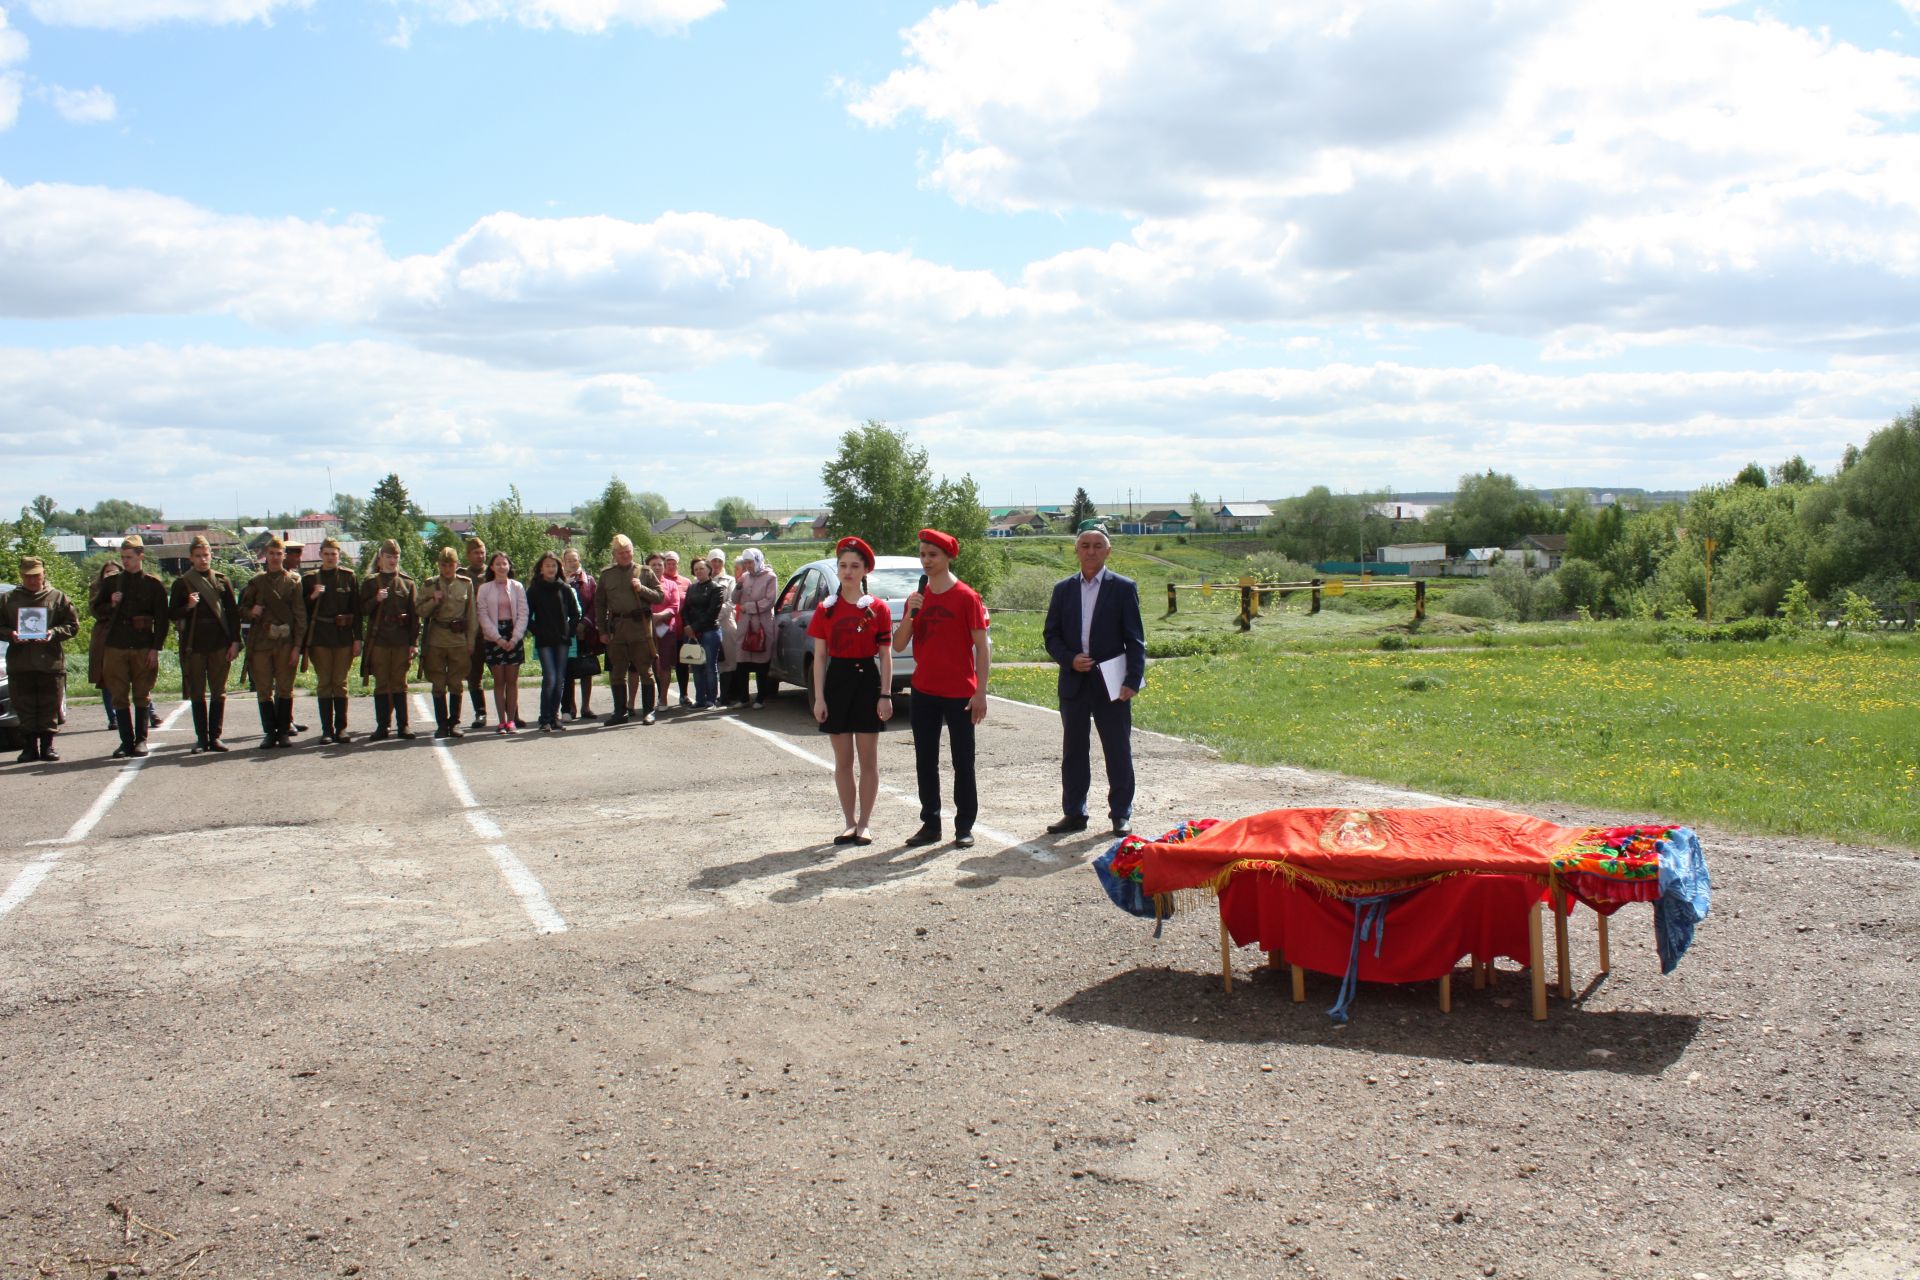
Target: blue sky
1244,249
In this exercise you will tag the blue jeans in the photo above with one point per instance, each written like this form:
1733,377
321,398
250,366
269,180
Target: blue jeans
553,680
706,676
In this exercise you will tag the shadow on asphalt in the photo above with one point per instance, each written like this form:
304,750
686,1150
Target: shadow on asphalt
1401,1020
863,872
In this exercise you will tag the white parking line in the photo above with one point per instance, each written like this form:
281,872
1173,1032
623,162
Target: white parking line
525,886
40,868
1036,852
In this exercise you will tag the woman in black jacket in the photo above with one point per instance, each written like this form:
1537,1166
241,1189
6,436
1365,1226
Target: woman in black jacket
553,615
700,623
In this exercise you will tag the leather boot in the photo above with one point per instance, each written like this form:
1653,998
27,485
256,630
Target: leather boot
283,715
453,715
326,719
620,713
125,726
340,734
31,753
646,704
199,725
216,724
141,722
47,752
440,715
399,703
382,717
269,730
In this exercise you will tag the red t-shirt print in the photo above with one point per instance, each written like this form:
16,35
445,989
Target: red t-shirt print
849,631
943,642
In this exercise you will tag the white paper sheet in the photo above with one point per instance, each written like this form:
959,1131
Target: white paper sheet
1114,672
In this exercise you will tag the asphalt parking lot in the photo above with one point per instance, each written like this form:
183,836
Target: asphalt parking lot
609,1003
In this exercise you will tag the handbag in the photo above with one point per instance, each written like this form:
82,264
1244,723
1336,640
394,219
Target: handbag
693,655
582,665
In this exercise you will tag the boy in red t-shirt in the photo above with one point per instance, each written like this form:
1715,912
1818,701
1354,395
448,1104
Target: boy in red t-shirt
947,622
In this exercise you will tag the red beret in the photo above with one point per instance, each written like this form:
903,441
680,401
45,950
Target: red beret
945,541
855,544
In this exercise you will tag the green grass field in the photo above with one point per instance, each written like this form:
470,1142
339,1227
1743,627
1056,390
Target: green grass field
1792,737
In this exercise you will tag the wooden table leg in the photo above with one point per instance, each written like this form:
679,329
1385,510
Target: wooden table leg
1537,963
1479,974
1299,984
1446,994
1606,951
1226,957
1560,903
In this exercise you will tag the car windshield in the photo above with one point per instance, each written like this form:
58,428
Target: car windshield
893,584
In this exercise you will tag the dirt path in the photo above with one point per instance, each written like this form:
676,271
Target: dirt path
290,1006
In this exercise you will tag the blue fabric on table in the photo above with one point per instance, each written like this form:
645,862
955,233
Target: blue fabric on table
1126,893
1686,894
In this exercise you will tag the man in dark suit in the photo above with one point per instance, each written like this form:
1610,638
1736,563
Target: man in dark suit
1095,617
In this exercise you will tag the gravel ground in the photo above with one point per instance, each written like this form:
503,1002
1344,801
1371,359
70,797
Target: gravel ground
280,1015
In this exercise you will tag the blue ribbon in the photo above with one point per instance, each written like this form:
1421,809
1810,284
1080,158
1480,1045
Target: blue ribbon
1369,921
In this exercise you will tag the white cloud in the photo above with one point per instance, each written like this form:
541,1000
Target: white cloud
456,428
13,45
127,15
1644,166
82,106
575,15
13,51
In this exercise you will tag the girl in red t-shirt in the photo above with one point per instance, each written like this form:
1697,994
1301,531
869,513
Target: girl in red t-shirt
853,684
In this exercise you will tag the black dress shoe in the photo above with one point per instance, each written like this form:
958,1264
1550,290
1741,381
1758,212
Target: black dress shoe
845,837
1123,826
1068,825
929,833
964,839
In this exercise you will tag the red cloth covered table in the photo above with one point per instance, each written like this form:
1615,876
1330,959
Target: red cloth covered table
1427,930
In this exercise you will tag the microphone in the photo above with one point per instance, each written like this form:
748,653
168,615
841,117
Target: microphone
920,590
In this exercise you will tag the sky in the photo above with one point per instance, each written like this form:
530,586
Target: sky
257,252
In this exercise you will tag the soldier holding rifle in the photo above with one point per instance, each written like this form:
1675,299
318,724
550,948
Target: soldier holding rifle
272,605
387,602
332,594
133,605
207,617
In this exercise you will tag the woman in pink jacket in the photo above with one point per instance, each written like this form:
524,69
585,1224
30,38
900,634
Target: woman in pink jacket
753,599
501,606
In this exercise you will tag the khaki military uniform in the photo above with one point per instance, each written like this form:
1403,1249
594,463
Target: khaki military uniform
448,627
623,614
208,631
392,627
334,627
37,669
136,631
274,638
477,661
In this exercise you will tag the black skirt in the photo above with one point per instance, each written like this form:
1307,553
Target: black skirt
853,696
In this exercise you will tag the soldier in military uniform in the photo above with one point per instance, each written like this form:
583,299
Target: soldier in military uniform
449,629
132,605
392,626
332,594
36,655
475,572
298,570
277,616
207,618
623,612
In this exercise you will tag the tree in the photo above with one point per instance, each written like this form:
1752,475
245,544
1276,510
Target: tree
506,526
1492,510
1794,470
878,487
1751,476
43,508
617,510
1204,521
653,505
392,513
116,515
954,508
350,511
1876,526
1083,509
729,512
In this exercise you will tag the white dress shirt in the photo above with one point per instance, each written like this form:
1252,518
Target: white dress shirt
1089,596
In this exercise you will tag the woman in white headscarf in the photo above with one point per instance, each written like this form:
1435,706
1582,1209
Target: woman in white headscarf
753,599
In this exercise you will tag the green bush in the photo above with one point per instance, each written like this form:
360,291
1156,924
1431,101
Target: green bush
1027,587
1479,602
1391,642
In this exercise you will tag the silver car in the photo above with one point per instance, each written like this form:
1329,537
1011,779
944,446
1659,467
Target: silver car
893,579
9,721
